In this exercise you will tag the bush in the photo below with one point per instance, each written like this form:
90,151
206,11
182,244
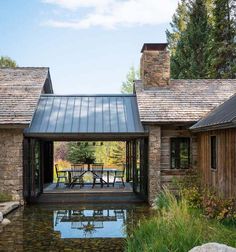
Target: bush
177,227
5,197
206,199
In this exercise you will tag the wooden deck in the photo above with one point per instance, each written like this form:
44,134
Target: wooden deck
87,188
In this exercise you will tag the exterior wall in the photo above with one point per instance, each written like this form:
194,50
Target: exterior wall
160,173
11,162
154,161
155,68
168,174
224,177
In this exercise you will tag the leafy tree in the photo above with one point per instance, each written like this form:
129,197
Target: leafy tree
7,62
178,25
223,43
192,52
127,86
81,152
60,150
118,154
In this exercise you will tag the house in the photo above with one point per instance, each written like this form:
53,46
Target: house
216,134
155,121
20,89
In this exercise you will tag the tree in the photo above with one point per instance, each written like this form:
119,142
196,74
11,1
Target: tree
127,86
178,25
118,154
81,152
223,43
190,59
7,62
60,150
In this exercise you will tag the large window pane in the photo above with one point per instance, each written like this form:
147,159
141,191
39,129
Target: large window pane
180,153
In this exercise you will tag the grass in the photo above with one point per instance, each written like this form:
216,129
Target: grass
177,228
5,197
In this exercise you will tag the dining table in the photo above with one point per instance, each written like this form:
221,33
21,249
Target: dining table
108,171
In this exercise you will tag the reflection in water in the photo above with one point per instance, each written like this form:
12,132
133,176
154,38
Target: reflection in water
90,223
74,228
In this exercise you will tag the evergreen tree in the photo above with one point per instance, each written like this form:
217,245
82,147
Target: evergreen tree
178,25
80,152
223,44
127,86
192,51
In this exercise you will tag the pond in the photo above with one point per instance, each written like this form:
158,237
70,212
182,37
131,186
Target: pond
71,227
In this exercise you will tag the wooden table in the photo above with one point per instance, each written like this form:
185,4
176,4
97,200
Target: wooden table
107,170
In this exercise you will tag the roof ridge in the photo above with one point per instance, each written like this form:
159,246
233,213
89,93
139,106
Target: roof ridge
15,68
88,95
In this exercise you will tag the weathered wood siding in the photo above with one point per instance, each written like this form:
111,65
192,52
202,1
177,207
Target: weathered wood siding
168,175
224,177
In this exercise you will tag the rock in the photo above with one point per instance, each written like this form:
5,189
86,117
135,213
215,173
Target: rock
1,217
5,221
213,247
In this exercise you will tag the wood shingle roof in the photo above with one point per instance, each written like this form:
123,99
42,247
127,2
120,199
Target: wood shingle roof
182,100
20,89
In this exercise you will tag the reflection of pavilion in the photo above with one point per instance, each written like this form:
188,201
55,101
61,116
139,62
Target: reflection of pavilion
88,221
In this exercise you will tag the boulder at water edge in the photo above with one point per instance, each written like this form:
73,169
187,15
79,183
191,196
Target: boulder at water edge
1,217
213,247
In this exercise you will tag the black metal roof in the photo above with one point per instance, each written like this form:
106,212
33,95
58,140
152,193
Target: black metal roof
224,116
86,114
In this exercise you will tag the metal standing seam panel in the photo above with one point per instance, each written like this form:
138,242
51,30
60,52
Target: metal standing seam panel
61,115
68,115
46,115
86,114
38,115
54,114
91,115
113,115
131,127
98,109
106,114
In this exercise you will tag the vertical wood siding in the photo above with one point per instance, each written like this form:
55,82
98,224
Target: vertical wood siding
223,179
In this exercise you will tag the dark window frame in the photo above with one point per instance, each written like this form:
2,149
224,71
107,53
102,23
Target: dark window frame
175,158
213,152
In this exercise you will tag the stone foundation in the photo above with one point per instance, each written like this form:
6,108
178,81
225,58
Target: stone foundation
11,162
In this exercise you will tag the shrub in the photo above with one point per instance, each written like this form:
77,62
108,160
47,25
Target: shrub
176,227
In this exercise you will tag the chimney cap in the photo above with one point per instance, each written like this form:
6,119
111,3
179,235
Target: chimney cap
154,47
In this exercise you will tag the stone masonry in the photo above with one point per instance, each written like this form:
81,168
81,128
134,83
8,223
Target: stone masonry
154,170
155,68
11,162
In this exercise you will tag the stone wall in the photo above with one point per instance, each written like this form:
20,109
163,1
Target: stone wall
154,156
11,162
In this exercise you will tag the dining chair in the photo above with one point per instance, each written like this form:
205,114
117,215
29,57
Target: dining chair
120,174
77,171
97,171
61,175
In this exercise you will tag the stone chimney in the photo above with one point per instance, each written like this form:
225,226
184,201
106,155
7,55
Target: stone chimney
155,65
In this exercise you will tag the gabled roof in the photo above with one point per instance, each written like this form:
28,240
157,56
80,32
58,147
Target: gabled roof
182,100
223,116
85,114
20,89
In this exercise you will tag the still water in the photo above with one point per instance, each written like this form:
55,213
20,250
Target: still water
71,228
